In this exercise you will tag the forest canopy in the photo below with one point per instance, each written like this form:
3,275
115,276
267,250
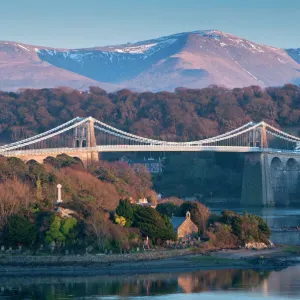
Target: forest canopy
185,114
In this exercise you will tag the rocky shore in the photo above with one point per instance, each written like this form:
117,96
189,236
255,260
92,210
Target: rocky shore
143,263
83,260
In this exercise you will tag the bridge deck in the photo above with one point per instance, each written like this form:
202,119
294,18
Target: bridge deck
146,148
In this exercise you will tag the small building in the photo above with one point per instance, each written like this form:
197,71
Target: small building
145,202
153,165
184,227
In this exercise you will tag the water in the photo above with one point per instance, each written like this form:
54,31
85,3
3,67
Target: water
278,219
216,284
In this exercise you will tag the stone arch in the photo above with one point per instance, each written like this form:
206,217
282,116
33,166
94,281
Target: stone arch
251,137
277,164
257,138
292,165
292,176
278,181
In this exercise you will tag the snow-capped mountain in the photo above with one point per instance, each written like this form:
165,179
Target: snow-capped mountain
193,59
294,53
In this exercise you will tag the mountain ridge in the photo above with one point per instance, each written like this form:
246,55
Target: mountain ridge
189,59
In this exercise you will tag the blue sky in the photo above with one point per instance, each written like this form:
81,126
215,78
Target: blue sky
79,23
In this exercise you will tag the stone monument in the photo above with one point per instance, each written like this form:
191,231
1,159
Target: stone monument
59,200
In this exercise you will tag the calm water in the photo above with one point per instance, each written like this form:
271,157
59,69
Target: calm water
217,284
211,285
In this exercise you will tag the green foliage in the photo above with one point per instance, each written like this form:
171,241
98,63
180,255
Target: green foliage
124,209
67,225
60,229
248,227
168,209
153,225
63,161
169,226
54,233
19,230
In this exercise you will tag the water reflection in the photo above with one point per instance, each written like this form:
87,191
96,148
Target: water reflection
285,283
139,285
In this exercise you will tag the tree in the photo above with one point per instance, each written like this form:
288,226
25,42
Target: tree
97,227
60,229
15,196
152,224
124,209
54,234
247,227
168,209
20,231
120,220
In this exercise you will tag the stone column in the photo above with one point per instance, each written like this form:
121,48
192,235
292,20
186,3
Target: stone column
59,200
263,136
257,187
93,155
91,133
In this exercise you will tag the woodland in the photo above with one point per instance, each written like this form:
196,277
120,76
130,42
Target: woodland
99,210
182,115
102,196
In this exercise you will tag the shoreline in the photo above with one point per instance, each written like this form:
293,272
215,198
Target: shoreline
175,261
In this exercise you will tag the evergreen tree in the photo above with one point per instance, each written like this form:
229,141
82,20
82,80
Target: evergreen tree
152,224
124,209
168,209
20,231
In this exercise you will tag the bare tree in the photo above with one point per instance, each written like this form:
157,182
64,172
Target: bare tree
97,227
14,197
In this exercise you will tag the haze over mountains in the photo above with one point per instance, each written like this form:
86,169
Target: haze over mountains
193,59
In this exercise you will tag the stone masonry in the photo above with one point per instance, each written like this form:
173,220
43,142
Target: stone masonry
270,179
184,227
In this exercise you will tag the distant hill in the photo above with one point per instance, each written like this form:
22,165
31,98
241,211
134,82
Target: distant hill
192,59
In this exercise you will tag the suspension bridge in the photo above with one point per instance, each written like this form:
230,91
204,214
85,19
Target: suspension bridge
271,163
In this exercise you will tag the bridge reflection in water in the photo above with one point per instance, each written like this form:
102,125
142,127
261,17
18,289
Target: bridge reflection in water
272,161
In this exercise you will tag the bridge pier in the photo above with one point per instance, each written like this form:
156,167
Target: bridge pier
256,189
270,179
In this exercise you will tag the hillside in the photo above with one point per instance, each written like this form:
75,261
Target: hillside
21,67
192,59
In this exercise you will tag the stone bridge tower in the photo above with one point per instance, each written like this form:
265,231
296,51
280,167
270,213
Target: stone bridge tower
84,137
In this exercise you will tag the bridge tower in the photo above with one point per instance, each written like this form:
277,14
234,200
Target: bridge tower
258,137
84,137
263,136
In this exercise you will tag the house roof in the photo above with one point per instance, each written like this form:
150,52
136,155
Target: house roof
177,221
